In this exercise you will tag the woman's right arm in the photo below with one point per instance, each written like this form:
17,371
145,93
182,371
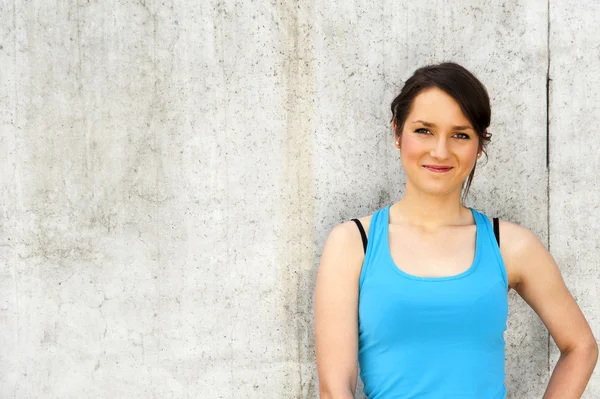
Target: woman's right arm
336,312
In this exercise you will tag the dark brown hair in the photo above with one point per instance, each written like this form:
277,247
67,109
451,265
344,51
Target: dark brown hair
461,85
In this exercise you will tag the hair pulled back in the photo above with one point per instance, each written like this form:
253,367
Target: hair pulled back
460,84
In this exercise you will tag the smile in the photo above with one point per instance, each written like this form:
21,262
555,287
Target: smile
438,169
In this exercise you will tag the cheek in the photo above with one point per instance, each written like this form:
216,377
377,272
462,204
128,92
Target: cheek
469,156
411,148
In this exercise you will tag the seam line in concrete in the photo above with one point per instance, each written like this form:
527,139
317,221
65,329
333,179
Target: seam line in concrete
548,80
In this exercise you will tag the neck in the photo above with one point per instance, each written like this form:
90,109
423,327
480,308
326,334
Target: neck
429,211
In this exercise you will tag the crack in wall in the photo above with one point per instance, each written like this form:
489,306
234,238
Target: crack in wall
548,82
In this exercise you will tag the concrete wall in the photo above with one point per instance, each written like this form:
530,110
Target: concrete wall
574,205
170,171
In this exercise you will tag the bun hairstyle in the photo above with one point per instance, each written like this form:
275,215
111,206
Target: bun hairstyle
461,85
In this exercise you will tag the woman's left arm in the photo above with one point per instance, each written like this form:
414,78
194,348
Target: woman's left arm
540,283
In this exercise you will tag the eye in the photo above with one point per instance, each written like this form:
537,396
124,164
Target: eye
421,130
463,136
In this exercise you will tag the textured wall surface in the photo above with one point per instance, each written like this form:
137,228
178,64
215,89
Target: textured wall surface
171,170
574,223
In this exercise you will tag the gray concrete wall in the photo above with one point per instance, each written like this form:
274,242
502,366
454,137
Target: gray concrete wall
170,171
574,181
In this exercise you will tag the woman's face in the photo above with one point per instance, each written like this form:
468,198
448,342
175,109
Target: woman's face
438,145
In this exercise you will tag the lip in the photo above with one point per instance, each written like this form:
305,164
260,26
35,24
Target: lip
438,169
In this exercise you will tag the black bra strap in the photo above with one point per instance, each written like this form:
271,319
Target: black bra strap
362,233
497,231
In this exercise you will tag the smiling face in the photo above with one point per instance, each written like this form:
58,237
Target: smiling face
438,145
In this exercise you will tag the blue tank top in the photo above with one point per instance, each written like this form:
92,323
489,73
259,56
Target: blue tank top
432,337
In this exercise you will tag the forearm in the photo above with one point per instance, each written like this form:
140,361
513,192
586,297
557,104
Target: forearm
572,373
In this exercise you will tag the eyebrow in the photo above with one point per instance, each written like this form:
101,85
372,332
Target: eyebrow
428,124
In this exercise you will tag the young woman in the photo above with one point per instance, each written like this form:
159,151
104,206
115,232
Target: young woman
417,292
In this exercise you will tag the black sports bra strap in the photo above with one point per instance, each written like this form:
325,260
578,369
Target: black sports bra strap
362,233
497,231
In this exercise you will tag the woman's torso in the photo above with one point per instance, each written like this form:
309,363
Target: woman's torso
432,337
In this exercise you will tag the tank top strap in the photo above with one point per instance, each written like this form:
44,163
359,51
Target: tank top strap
490,248
376,238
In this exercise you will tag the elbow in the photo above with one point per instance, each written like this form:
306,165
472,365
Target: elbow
591,354
591,349
588,351
594,351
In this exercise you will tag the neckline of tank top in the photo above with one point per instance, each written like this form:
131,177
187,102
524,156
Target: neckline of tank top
478,247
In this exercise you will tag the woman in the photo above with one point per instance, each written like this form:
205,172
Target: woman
417,292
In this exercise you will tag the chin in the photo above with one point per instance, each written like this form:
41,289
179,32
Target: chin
434,187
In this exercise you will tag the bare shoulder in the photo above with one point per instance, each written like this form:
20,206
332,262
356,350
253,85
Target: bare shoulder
517,243
344,247
347,233
515,234
519,240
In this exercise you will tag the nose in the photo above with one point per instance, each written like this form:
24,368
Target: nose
440,151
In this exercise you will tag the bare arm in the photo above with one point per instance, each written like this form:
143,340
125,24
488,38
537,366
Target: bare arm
541,285
336,312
